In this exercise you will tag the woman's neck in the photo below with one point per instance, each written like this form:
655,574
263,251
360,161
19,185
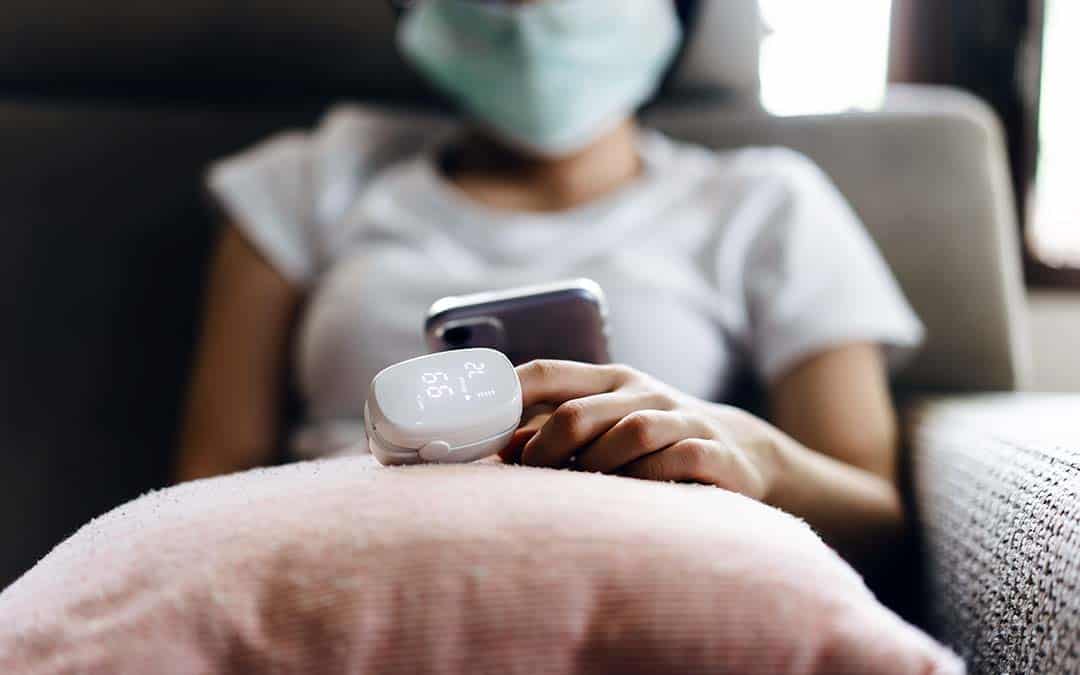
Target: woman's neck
497,176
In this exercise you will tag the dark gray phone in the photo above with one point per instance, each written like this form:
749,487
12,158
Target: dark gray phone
565,321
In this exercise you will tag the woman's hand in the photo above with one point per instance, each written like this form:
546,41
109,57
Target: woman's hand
616,420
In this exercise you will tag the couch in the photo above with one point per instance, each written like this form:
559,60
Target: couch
110,112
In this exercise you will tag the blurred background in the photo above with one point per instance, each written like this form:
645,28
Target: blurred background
110,112
1020,55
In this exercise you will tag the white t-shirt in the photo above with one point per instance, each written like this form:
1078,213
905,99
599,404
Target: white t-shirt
713,263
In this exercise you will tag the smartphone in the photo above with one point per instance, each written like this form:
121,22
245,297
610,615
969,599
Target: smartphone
565,320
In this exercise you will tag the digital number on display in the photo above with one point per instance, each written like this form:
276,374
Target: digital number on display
440,386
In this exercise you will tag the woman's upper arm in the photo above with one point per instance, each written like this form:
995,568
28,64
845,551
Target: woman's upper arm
231,419
838,403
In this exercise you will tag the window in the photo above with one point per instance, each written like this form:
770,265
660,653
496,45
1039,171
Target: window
814,62
1055,215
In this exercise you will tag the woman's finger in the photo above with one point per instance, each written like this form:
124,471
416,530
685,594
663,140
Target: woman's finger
710,462
640,434
577,423
557,382
511,454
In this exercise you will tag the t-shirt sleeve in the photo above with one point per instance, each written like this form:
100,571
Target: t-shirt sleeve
290,195
268,192
814,278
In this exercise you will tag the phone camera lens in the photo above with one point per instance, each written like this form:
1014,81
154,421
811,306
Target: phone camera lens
458,336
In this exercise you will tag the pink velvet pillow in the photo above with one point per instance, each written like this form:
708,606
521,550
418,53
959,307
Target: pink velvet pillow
345,567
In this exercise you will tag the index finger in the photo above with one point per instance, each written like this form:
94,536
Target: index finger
556,382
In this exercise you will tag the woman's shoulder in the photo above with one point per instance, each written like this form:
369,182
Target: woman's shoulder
291,191
745,161
378,133
350,139
326,167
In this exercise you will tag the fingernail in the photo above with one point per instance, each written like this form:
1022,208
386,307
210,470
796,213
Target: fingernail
528,448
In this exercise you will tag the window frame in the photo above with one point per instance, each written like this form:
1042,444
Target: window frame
1037,272
993,49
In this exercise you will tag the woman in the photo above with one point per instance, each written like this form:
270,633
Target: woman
713,264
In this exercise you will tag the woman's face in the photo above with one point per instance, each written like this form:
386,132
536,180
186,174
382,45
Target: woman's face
548,77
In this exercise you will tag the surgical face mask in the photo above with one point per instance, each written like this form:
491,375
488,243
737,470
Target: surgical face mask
547,77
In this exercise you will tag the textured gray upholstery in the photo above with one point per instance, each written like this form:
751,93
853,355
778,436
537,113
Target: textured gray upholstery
928,176
997,483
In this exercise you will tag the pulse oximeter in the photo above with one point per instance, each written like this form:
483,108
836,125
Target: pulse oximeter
452,407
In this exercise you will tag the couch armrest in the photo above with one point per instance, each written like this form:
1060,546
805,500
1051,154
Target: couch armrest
928,174
997,488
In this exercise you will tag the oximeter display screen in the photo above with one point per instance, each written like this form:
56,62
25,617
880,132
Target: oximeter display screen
445,388
469,383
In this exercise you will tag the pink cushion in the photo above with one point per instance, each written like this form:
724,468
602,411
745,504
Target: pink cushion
345,567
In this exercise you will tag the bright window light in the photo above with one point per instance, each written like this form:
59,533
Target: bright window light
825,56
1055,233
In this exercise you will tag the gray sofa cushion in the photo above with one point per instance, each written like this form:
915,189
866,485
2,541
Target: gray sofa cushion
103,235
280,49
997,484
928,176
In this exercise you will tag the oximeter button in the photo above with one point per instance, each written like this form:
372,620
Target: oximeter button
437,451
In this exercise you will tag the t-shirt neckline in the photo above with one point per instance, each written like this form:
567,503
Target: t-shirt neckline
455,200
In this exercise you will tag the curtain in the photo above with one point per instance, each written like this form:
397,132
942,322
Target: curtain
991,48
